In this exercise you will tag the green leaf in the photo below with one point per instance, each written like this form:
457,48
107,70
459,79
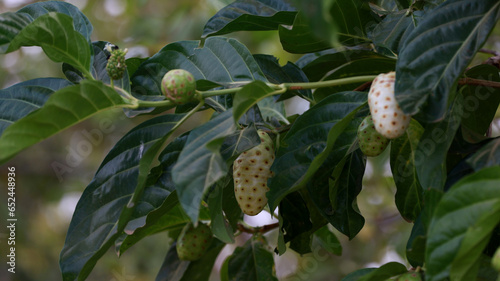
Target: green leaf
469,208
174,269
11,24
300,38
94,226
80,22
238,142
309,142
487,156
384,272
55,34
295,217
21,99
220,227
343,212
338,21
438,51
251,262
328,240
199,167
409,194
250,15
220,60
390,30
430,156
356,275
481,102
66,107
248,97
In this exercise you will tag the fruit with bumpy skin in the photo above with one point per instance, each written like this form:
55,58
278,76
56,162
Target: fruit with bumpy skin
371,142
179,86
410,276
116,63
193,241
251,171
495,261
389,119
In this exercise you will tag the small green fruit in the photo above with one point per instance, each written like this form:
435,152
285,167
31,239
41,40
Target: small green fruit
179,86
371,142
193,241
410,276
495,261
251,170
116,63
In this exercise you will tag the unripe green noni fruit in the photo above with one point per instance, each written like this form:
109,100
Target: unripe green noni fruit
410,276
495,261
116,63
371,142
251,170
179,86
193,241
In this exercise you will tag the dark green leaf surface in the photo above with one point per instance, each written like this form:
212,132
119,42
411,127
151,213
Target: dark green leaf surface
252,262
295,217
199,167
342,212
437,52
310,141
238,142
300,38
11,24
250,15
328,240
80,22
220,227
487,156
20,99
430,156
55,34
66,107
481,102
409,194
356,275
384,272
174,269
465,208
94,226
220,60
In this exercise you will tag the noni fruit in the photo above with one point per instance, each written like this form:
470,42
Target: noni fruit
251,170
179,86
193,241
116,63
389,119
371,142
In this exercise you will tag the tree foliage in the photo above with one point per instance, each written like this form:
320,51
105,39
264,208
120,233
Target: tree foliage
444,166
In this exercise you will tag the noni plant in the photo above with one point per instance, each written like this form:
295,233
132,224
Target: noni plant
423,69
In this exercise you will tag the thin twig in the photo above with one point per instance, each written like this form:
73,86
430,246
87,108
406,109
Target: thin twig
491,52
479,82
262,229
363,86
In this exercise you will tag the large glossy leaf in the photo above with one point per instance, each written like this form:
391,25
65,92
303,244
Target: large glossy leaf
11,24
335,196
430,156
55,34
300,38
338,21
252,262
200,166
384,272
20,99
64,108
220,227
487,156
250,15
309,142
463,209
249,96
480,102
174,269
220,60
94,226
409,195
437,52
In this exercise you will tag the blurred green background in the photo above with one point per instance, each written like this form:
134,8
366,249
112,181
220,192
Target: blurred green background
46,195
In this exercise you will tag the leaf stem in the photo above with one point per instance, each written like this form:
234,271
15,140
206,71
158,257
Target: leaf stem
262,229
479,82
328,83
